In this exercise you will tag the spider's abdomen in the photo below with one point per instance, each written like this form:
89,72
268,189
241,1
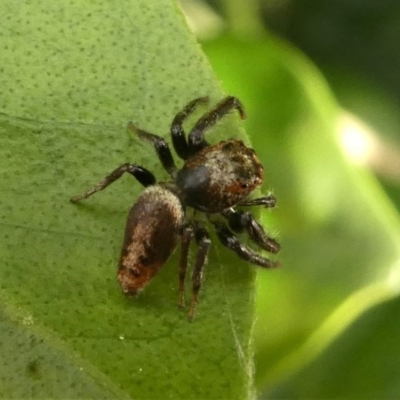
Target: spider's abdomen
220,176
151,235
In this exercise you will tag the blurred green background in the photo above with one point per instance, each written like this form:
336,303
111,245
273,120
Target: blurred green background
321,84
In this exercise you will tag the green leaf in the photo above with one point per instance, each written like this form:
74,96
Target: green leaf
72,75
339,232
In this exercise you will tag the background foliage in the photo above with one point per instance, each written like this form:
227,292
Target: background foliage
327,127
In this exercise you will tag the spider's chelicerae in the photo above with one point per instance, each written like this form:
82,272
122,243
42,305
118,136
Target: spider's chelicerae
214,180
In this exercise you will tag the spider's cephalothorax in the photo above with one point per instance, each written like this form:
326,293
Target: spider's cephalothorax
218,177
214,179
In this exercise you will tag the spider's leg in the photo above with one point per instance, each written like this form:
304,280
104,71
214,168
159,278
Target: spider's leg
187,235
204,242
239,221
145,177
196,139
160,145
246,253
266,201
178,134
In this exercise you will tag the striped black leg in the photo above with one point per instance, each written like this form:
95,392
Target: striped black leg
187,235
145,177
204,242
196,139
240,221
266,201
178,134
160,145
246,253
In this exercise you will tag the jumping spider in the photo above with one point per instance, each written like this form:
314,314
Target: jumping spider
214,179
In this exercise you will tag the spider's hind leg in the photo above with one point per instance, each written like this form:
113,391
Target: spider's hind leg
204,242
187,235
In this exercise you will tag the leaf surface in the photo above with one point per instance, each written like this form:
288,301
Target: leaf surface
72,75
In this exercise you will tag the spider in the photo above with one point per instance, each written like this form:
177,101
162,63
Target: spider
214,180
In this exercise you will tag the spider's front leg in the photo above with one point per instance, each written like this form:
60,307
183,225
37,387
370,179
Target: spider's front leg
239,221
196,136
246,253
268,201
178,134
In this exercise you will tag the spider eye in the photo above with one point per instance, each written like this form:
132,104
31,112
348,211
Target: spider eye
244,185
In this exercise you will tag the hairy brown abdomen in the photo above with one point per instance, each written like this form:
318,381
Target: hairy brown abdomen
151,235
